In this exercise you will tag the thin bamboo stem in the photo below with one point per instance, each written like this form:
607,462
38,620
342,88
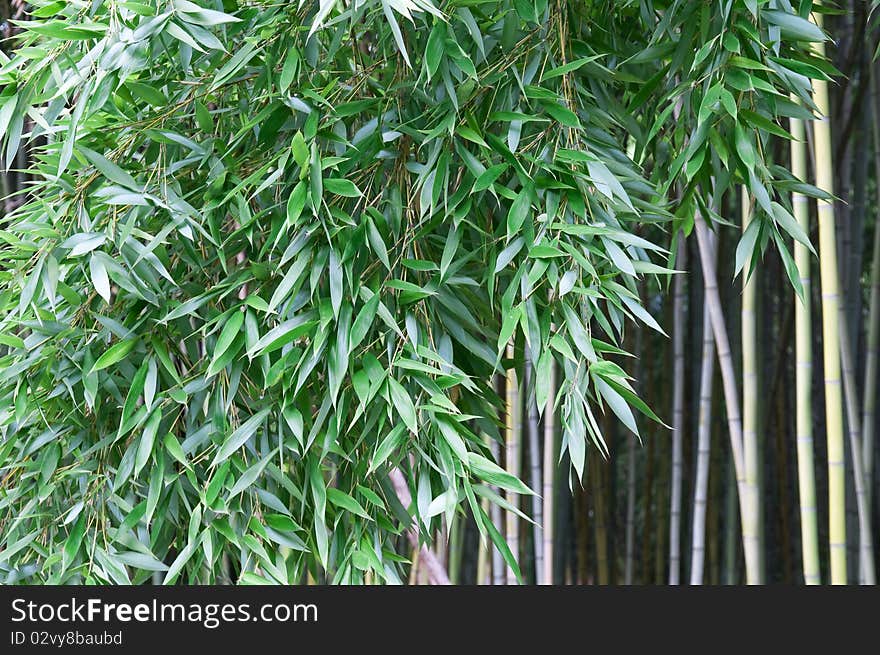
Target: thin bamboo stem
498,576
704,437
866,548
730,549
511,459
678,329
600,524
455,550
549,477
484,572
872,354
830,284
731,396
534,464
751,524
804,370
629,564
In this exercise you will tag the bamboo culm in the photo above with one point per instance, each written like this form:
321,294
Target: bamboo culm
678,328
828,275
751,525
728,383
866,548
704,436
511,459
869,398
804,371
548,481
534,462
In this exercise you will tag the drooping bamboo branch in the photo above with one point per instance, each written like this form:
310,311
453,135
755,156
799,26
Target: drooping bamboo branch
678,329
704,436
804,370
728,380
752,520
829,280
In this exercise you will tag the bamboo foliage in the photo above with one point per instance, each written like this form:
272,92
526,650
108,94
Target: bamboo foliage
263,263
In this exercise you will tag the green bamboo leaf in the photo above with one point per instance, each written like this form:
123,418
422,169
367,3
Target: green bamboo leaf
563,115
141,561
500,543
490,472
240,435
392,441
113,354
250,476
403,404
172,445
362,323
110,170
316,179
342,187
344,501
296,202
100,279
518,212
618,405
231,329
281,335
793,26
148,437
567,68
74,540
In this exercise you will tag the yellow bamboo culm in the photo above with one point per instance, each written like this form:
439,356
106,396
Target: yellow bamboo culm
511,456
828,276
752,520
804,369
484,555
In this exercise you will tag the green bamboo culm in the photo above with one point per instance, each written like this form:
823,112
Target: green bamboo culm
828,277
804,369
